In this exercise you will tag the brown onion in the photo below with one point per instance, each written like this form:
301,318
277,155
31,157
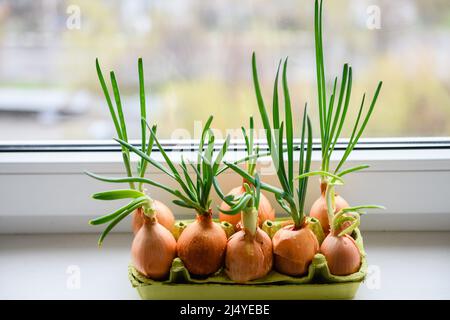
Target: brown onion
248,257
265,211
294,249
163,214
201,246
342,254
319,208
153,249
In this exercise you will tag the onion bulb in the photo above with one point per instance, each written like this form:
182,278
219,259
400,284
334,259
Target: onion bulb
153,249
319,208
294,249
339,248
201,246
342,254
249,252
163,214
265,210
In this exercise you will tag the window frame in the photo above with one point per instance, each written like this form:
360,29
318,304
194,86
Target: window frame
110,145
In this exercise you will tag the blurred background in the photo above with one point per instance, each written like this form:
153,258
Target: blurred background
197,58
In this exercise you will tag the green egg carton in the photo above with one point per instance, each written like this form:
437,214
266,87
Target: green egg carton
318,283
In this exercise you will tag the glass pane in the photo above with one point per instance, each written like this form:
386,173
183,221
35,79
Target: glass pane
197,62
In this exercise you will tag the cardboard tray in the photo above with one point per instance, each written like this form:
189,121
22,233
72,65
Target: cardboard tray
317,284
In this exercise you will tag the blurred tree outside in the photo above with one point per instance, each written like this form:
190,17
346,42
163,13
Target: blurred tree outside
197,58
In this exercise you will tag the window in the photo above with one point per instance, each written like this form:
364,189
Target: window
49,89
54,120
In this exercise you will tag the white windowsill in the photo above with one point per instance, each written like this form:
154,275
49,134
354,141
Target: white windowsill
413,265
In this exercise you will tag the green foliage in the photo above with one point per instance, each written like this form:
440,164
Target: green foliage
332,117
192,194
118,118
249,199
291,199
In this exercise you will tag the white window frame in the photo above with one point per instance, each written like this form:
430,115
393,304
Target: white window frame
43,188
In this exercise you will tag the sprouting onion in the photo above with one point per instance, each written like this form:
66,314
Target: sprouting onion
249,251
201,246
163,213
265,209
154,247
339,248
295,245
332,117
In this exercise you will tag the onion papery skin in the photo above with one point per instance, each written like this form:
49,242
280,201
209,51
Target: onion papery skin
153,250
342,254
201,246
248,257
320,212
294,250
163,214
265,210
